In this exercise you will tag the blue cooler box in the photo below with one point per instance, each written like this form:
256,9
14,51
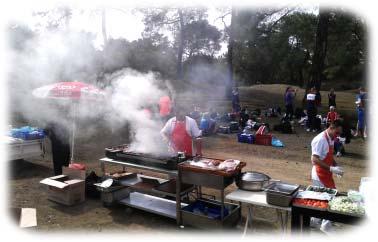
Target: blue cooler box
246,138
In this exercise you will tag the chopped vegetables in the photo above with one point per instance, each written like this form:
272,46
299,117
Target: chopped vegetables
311,203
322,189
346,205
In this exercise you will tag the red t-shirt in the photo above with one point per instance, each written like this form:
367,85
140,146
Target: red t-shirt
332,116
165,106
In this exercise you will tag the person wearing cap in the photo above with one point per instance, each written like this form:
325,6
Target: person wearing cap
324,164
332,98
311,110
180,132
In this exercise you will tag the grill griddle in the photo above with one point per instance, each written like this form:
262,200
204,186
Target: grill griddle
159,161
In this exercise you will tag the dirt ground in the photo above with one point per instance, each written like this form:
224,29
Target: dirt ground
290,164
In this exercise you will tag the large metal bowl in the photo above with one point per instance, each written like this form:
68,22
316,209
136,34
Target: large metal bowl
253,181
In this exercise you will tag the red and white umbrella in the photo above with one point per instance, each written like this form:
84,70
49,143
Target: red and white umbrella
70,91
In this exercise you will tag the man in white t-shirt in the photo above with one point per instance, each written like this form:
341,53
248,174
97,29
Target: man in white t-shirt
180,131
324,165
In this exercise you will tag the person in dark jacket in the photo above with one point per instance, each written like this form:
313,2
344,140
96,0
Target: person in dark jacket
235,100
60,145
331,98
311,110
289,101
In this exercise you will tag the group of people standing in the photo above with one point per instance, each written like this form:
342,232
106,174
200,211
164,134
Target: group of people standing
312,102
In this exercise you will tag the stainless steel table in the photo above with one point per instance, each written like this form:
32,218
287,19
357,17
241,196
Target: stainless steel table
22,149
258,199
161,206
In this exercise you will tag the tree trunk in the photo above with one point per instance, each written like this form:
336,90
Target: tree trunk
180,47
320,50
231,42
103,21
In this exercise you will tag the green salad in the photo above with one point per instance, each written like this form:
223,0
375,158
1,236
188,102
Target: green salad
346,205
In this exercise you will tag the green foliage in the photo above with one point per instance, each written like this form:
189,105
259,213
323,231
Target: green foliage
281,51
269,46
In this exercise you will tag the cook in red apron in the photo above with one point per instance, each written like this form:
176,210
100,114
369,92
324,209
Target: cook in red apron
181,140
325,176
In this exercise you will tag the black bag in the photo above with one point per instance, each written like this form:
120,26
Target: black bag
277,127
299,113
90,188
286,127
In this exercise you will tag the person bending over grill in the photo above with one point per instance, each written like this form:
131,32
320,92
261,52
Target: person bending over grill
60,146
180,131
324,164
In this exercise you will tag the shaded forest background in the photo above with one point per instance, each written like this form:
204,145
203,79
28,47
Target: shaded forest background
264,45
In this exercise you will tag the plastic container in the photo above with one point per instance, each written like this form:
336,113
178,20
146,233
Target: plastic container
246,138
27,133
204,124
77,166
206,214
263,139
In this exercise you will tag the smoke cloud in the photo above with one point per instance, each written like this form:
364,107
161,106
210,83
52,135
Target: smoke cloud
65,55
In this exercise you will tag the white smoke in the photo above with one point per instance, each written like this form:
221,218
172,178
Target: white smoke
63,55
132,92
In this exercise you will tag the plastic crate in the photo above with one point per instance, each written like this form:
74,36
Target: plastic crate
263,139
246,138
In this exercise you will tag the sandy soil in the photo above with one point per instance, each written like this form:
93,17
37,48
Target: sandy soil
289,164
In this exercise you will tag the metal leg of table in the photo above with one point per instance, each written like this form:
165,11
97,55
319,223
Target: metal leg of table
178,199
248,221
250,214
283,217
246,226
279,218
286,221
222,201
102,165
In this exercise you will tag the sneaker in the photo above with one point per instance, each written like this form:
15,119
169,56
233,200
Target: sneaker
327,228
314,130
338,154
308,130
315,223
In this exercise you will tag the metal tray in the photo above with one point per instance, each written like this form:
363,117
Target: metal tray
279,199
334,191
282,188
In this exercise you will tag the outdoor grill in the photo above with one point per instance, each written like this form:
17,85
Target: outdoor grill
122,152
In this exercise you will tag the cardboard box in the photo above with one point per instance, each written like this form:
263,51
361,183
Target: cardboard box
24,217
68,188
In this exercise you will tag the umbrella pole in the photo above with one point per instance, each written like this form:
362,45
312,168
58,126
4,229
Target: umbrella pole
73,131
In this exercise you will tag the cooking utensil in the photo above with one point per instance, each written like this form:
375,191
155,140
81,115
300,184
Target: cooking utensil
253,181
107,183
281,194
